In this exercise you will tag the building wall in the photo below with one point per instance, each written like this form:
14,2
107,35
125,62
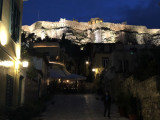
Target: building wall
9,51
125,58
40,64
97,61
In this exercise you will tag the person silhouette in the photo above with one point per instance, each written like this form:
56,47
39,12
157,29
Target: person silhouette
107,104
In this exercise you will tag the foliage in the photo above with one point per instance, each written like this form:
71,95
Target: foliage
148,65
127,103
31,71
132,105
71,49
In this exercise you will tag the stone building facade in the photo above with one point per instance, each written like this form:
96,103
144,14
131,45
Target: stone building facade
11,81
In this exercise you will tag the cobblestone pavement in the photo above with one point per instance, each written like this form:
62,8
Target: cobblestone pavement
77,107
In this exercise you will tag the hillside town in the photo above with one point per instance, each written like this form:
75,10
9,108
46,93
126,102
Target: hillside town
62,70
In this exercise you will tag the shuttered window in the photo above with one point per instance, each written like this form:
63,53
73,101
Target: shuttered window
105,61
14,21
1,3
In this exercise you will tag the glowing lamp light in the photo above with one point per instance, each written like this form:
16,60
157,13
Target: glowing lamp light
17,64
3,38
93,70
18,51
25,64
82,48
87,62
48,82
67,81
59,80
6,63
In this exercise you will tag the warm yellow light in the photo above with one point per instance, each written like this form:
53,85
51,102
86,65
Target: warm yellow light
87,62
67,81
57,57
18,51
96,71
59,80
17,64
6,63
25,64
48,82
52,62
43,46
3,37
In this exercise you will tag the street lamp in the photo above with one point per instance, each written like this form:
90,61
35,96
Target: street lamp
67,81
93,70
87,62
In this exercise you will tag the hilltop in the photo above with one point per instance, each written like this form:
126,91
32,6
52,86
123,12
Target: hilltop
94,31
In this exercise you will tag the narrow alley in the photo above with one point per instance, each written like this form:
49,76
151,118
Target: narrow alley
77,107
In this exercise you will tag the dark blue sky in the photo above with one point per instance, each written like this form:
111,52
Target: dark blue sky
135,12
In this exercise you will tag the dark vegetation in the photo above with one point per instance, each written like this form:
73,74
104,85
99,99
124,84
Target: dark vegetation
71,49
148,64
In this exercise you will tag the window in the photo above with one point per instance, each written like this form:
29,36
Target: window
105,61
1,2
123,66
14,21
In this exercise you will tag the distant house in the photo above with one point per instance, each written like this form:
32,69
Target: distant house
95,20
124,62
99,56
36,86
11,81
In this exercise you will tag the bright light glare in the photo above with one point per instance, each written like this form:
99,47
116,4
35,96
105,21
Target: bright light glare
93,69
82,48
25,64
18,51
67,81
17,64
59,80
87,62
6,63
3,38
48,82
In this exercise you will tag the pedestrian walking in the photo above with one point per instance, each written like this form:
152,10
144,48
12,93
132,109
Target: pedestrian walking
107,104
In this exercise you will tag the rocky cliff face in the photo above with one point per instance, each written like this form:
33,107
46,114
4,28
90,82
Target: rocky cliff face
82,32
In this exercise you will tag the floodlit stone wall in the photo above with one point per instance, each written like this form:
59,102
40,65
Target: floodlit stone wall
101,32
85,25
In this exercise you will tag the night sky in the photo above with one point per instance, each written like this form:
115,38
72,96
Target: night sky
135,12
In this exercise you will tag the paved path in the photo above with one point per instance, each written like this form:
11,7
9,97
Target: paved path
77,107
